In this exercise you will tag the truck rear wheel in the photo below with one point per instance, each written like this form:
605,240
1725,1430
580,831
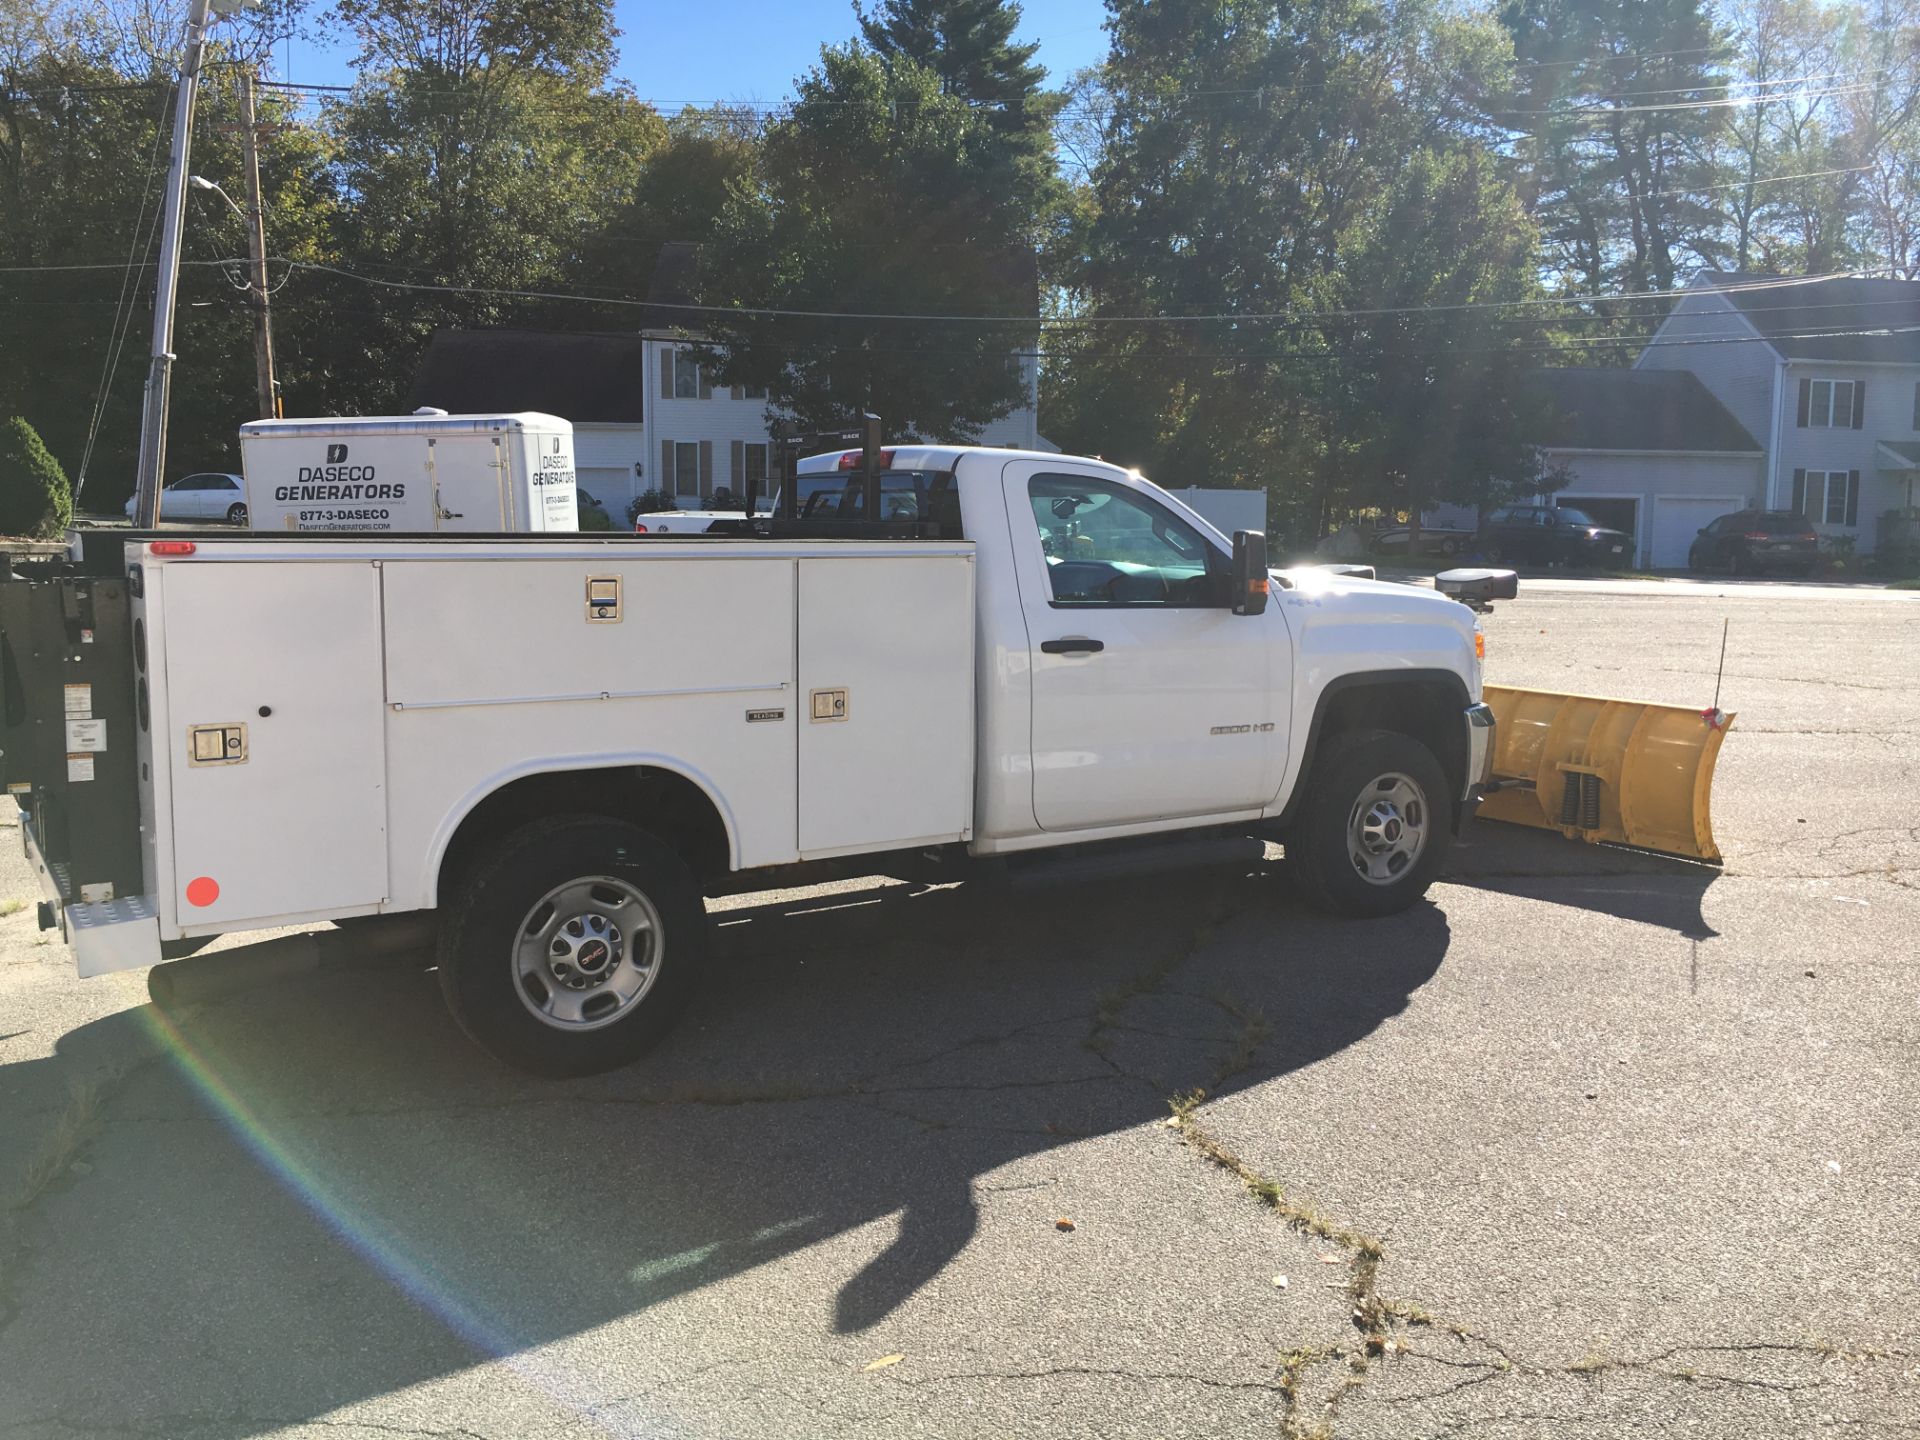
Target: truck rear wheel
1373,826
573,946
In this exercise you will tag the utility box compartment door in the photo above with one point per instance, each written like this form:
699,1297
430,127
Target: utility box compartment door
276,730
886,702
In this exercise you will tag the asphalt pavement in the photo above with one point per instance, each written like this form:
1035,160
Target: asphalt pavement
1590,1145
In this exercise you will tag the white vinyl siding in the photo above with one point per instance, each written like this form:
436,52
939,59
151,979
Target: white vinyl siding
1704,335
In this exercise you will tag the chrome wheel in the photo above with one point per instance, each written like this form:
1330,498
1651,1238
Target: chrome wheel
587,953
1387,828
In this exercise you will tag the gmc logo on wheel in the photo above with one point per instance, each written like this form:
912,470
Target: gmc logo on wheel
336,454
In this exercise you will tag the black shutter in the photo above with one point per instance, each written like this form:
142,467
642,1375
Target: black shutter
1853,497
1916,405
1806,400
1800,488
1859,403
666,380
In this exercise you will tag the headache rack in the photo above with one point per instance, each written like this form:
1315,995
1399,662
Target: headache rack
866,480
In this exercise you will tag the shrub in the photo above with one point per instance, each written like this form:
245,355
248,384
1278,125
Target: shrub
34,497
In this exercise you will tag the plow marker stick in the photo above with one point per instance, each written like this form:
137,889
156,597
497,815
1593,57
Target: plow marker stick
1618,771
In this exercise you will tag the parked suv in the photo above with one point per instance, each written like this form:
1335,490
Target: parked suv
1749,541
1550,535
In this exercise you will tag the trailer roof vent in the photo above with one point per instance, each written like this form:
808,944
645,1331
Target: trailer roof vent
431,411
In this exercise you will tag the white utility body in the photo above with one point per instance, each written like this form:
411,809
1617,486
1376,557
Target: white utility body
473,474
349,726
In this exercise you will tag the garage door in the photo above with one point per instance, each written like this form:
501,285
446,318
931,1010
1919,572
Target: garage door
609,485
1676,520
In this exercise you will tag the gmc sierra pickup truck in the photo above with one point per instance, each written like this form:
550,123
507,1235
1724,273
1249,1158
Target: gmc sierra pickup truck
561,743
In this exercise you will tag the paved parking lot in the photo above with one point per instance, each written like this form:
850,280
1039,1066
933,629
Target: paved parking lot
1591,1145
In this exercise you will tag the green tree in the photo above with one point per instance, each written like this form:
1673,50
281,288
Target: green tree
483,151
968,43
1618,103
880,193
33,488
1264,168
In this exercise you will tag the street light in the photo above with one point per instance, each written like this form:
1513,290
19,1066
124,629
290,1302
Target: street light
200,182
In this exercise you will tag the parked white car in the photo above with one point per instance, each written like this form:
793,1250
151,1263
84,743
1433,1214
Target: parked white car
207,496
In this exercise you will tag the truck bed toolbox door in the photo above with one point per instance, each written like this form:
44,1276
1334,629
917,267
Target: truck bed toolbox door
274,732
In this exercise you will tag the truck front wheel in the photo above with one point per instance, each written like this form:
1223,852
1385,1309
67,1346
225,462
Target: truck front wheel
1373,827
572,946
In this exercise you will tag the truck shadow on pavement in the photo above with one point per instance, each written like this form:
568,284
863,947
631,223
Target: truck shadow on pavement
1607,880
316,1191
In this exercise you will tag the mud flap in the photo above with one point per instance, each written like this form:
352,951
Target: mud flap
1618,771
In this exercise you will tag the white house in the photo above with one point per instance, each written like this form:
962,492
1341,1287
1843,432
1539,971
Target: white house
1652,453
1820,380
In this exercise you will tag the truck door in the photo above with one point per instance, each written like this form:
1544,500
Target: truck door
1152,700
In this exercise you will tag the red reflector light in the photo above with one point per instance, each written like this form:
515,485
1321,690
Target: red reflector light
170,547
850,459
638,528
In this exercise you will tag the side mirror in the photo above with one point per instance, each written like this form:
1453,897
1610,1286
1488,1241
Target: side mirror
1250,577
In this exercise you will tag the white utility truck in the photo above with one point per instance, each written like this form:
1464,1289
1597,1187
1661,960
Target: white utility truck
411,474
546,742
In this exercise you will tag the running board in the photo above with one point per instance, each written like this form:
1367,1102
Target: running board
1120,859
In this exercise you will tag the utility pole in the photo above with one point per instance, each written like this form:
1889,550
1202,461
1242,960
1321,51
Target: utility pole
257,254
153,418
173,204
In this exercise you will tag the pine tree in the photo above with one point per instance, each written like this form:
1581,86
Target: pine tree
34,498
968,43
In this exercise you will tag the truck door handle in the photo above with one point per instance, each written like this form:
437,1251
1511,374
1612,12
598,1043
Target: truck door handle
1072,647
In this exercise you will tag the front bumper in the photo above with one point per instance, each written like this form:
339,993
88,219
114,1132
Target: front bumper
1480,737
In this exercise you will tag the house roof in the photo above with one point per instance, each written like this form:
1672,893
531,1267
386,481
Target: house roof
673,292
1851,317
1636,410
580,377
1906,453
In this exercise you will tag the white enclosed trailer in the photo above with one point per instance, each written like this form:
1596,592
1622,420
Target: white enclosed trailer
411,474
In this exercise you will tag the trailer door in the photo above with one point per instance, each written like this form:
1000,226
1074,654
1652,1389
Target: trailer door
274,697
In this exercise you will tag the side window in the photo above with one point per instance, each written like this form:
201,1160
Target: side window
686,375
1108,545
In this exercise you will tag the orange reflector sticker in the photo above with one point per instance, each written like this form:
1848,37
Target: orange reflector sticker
203,891
1479,646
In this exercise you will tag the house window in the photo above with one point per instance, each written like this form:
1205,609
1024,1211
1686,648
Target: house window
759,392
1833,404
686,375
686,468
1828,497
753,466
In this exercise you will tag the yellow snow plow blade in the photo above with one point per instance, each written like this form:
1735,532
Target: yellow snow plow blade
1606,770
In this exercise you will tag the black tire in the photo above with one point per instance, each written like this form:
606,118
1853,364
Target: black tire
1693,559
1345,772
237,513
480,973
1737,563
1493,552
1448,548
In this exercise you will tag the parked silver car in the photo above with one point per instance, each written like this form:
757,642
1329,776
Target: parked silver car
209,495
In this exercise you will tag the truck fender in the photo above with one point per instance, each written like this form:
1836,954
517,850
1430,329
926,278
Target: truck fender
1454,686
623,760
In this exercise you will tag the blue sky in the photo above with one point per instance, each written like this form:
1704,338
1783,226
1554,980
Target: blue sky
697,51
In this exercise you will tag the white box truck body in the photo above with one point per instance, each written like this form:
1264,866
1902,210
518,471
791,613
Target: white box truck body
411,474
